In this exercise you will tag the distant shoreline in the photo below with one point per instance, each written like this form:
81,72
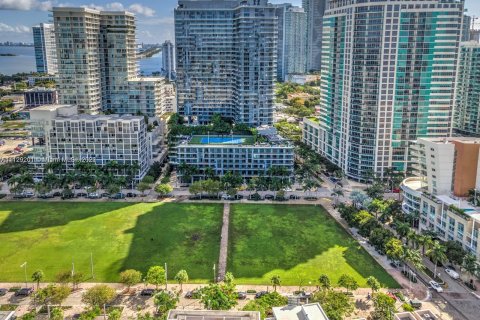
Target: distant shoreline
7,55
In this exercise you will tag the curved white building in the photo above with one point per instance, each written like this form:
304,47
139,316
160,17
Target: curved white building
412,192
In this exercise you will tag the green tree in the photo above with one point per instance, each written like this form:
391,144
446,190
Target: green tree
336,304
266,303
37,277
229,279
437,253
374,284
394,249
181,277
165,301
384,307
196,188
156,276
455,252
324,281
348,282
98,296
276,281
163,189
52,295
115,314
130,277
469,264
217,296
57,314
142,187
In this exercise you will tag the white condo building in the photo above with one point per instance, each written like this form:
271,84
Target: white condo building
97,63
45,48
445,170
60,134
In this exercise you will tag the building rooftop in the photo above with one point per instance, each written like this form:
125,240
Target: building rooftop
51,107
221,139
212,315
414,183
311,311
41,89
405,316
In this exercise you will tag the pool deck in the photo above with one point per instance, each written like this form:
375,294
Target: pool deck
223,140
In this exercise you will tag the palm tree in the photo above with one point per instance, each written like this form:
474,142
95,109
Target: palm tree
324,281
437,253
426,242
412,237
37,276
470,264
402,229
275,280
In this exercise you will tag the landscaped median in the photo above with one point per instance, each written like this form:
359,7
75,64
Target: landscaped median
296,242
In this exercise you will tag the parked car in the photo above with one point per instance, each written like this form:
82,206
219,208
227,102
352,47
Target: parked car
193,294
227,197
241,295
147,292
435,286
117,196
260,294
294,197
452,273
3,291
269,197
24,292
131,195
415,303
93,195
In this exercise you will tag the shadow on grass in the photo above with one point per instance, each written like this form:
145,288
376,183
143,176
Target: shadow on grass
27,215
264,238
185,236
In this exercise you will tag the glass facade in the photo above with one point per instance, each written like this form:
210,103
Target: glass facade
388,77
226,60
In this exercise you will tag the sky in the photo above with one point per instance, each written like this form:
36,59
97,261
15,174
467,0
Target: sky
154,17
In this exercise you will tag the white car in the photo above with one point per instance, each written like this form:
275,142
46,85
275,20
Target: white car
435,286
452,273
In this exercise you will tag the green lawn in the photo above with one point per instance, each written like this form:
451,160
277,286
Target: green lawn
298,243
49,236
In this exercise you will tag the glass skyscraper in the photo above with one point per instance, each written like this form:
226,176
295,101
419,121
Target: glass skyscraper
226,59
45,50
388,77
467,102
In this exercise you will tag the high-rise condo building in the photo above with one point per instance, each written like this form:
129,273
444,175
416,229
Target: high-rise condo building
168,60
467,102
315,10
292,41
97,63
388,77
226,59
45,50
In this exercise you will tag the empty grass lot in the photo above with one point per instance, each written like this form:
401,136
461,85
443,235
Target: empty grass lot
50,235
298,243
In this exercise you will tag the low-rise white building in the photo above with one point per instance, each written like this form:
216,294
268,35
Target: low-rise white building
60,134
299,312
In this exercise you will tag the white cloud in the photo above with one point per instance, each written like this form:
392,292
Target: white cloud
15,29
115,6
25,5
140,9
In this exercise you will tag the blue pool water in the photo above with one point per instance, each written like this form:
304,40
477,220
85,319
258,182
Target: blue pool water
220,140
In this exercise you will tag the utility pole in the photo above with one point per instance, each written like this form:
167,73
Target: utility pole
91,264
166,278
